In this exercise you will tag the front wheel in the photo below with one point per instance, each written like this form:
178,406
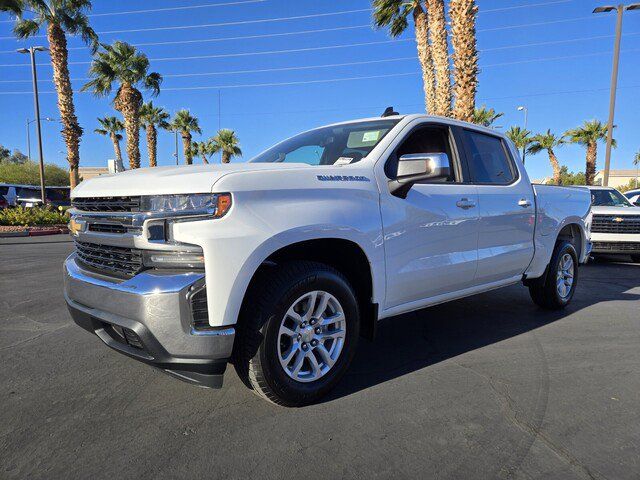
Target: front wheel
298,333
555,290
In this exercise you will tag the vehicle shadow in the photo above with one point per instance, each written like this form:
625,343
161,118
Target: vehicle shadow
414,341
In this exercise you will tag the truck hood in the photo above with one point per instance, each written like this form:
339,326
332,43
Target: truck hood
615,210
169,180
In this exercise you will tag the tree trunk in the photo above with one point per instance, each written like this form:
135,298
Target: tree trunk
152,145
439,47
555,165
590,170
465,57
186,145
71,131
426,61
116,147
226,157
128,102
204,160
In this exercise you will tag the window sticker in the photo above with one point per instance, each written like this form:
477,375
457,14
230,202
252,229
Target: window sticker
343,161
370,136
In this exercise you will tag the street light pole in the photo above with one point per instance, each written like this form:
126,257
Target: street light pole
29,122
176,152
32,52
524,109
614,79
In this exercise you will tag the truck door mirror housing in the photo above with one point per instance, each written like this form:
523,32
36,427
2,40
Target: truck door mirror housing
418,167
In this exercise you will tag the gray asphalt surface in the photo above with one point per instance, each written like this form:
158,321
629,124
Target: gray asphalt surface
486,387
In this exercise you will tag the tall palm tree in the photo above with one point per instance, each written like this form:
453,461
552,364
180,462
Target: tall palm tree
185,123
111,127
465,57
485,116
636,162
520,137
440,49
122,64
150,118
60,18
226,142
548,141
588,135
393,14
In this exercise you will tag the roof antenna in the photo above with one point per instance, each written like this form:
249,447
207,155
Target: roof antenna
388,112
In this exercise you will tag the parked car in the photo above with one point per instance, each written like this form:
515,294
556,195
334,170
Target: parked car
30,196
280,264
615,226
8,194
633,196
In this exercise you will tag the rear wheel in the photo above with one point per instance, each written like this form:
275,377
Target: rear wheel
555,290
298,333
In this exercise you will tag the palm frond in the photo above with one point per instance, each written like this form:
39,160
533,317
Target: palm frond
26,28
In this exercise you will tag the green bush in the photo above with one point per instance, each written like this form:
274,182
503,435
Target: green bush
30,217
28,173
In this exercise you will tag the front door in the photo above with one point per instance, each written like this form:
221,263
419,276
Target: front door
431,236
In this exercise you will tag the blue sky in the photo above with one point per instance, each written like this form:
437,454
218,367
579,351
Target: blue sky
553,56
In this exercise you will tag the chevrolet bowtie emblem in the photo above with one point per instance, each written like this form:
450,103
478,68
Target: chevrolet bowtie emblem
618,219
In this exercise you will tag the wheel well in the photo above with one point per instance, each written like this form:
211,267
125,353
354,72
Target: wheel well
345,256
572,234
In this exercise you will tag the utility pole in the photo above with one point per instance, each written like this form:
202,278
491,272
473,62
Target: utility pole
176,152
614,79
32,52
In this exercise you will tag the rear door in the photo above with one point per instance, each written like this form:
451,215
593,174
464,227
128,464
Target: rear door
506,207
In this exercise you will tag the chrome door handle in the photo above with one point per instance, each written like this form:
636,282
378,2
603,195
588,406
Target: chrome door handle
524,203
465,203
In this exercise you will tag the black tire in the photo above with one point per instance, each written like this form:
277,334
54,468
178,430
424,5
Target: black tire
256,351
544,292
635,258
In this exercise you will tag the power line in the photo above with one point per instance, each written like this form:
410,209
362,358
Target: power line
526,5
222,24
167,9
241,54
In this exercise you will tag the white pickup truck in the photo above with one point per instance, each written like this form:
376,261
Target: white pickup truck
280,264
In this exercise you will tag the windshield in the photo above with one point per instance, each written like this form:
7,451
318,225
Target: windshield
608,198
337,145
57,194
29,193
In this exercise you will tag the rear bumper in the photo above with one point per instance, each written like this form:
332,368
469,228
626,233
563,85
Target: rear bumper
148,318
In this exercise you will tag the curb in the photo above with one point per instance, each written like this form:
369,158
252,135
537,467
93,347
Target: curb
35,232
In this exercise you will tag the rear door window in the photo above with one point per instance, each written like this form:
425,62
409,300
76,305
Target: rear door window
488,159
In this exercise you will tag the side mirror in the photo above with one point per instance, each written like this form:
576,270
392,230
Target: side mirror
417,167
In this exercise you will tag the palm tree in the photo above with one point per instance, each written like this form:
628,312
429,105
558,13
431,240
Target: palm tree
122,64
111,127
588,135
226,142
520,137
393,14
465,57
185,123
548,141
203,150
60,18
636,162
150,118
440,48
485,116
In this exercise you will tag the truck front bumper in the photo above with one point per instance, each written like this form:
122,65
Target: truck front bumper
148,318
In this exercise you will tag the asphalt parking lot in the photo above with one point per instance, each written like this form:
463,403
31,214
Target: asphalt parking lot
486,387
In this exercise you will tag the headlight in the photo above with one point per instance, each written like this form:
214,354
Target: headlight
214,204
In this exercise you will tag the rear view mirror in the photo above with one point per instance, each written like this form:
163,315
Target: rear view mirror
418,167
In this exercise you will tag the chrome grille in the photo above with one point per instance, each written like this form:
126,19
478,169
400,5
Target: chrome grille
109,259
616,247
107,204
107,228
611,224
